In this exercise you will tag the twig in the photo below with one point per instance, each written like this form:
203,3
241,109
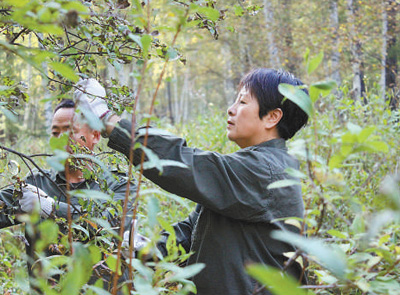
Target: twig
41,155
40,170
322,286
114,289
17,36
72,45
372,174
5,11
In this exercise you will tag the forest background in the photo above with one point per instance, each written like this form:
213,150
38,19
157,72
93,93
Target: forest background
178,63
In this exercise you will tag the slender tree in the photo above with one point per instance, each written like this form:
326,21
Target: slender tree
355,51
391,68
273,53
335,55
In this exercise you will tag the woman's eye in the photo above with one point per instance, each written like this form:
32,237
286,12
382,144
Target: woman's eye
55,134
242,102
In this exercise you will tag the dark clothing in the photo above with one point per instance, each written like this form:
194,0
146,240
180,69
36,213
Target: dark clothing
115,184
231,227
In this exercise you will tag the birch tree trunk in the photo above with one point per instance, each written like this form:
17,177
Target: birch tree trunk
355,49
28,106
274,60
382,82
229,88
335,56
176,97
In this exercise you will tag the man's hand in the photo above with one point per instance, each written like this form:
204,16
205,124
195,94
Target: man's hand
31,195
139,242
90,96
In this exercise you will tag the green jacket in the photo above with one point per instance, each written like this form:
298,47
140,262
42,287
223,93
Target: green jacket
231,227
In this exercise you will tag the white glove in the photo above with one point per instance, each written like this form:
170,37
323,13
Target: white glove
139,242
92,102
30,198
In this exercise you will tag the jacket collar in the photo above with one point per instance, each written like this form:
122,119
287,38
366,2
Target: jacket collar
279,143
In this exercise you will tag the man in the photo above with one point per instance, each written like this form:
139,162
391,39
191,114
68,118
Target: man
231,226
48,192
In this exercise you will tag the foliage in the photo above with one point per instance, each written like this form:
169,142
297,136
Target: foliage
348,152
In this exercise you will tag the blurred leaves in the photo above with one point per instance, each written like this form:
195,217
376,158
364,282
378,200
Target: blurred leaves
276,282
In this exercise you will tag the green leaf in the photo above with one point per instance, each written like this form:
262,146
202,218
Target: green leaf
92,120
112,264
336,233
136,38
79,271
239,11
98,290
49,29
373,147
183,273
57,162
295,173
325,85
353,128
315,62
153,209
172,54
209,12
297,96
75,5
64,70
146,42
79,227
283,183
306,55
90,194
9,115
59,143
277,282
332,259
154,162
144,271
322,88
16,4
48,230
365,133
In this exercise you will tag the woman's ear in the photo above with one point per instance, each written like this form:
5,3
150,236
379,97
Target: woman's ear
272,118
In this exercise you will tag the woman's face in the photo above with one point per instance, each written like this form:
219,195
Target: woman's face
245,127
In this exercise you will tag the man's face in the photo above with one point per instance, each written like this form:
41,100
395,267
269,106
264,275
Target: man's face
80,133
245,127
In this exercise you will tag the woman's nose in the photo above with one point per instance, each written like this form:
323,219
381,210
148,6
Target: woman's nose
232,110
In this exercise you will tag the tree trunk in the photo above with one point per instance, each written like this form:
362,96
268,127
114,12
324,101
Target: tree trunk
382,82
288,38
169,97
335,56
274,60
229,88
391,57
355,49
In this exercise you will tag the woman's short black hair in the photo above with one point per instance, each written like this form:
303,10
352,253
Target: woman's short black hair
65,103
263,85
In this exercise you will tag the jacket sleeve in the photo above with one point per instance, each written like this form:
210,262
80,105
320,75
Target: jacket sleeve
183,232
233,185
119,189
8,206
